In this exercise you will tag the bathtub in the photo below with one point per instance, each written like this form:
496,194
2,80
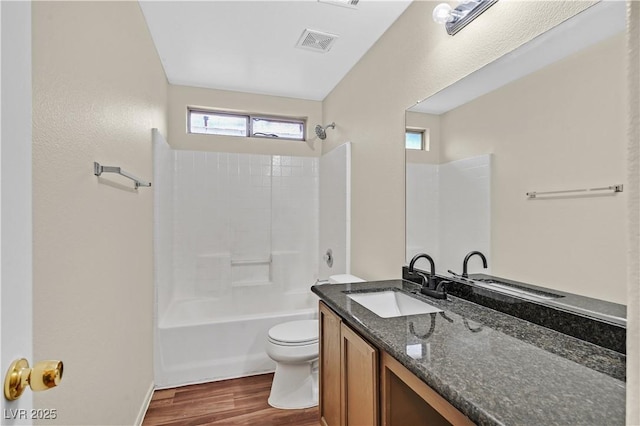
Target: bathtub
202,340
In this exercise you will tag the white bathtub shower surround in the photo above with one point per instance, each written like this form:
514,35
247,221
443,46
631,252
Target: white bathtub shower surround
465,196
163,160
203,340
243,235
247,303
460,188
335,209
243,219
422,209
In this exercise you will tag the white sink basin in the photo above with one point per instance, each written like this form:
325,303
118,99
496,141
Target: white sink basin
388,304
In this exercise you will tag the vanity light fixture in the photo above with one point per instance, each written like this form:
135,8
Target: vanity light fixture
353,4
456,19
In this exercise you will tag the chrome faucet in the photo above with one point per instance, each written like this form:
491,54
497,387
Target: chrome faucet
466,260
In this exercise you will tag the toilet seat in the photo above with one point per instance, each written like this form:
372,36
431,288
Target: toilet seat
294,333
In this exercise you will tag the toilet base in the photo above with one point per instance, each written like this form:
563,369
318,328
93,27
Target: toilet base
295,386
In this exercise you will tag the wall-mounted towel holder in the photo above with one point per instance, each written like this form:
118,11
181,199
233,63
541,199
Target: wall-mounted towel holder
99,169
614,188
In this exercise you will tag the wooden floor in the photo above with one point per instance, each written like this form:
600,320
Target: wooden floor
230,402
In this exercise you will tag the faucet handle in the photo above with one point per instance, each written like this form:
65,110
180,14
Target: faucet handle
442,286
428,282
425,280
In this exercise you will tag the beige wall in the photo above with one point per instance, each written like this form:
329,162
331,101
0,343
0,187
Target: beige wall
415,58
98,89
563,127
181,97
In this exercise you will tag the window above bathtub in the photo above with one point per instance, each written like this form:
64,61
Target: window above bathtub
217,123
245,125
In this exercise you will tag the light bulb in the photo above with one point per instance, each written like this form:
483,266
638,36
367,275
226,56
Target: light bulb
442,13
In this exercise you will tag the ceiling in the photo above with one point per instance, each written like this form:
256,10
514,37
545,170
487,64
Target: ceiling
249,46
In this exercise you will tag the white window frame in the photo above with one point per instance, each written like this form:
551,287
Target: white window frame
249,123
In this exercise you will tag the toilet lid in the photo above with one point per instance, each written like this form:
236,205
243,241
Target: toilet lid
301,332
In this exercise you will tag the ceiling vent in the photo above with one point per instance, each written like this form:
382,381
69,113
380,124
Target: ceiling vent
316,41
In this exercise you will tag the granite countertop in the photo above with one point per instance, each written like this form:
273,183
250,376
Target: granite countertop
494,368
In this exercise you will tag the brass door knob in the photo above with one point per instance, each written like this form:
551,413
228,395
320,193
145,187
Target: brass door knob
44,375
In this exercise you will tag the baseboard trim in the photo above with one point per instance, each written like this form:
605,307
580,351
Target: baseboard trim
214,379
145,405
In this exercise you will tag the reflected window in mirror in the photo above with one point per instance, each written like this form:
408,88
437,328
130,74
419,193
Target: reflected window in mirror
417,139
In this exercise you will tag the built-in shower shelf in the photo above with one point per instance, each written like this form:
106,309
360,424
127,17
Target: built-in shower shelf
239,262
251,283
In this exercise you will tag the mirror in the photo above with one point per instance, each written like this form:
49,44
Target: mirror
549,116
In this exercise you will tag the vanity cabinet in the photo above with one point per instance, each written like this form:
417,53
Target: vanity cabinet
359,379
355,376
348,374
330,361
407,400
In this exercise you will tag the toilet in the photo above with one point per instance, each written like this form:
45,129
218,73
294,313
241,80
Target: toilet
294,347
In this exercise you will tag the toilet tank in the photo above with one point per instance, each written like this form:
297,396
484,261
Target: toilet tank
344,278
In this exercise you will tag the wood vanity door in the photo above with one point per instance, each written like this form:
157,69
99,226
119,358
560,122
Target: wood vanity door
329,367
359,380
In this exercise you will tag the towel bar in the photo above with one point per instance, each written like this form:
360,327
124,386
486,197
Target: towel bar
99,169
614,188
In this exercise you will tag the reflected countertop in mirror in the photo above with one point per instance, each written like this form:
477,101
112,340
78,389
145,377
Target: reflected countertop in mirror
593,320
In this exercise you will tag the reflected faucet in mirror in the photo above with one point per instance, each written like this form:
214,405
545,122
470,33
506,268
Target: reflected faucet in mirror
466,261
464,274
